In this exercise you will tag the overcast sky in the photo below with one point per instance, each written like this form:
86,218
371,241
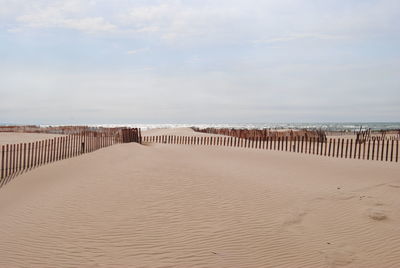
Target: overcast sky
199,61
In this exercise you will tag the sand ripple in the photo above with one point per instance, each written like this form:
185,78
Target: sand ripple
176,206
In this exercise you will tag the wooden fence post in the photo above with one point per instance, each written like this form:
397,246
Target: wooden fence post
24,164
7,157
42,151
329,147
391,151
64,141
313,145
351,147
45,152
54,148
39,152
373,149
298,144
2,161
302,144
20,156
355,148
15,164
286,143
83,144
15,158
54,152
32,155
28,156
77,144
383,148
60,148
12,163
387,150
36,154
321,146
364,146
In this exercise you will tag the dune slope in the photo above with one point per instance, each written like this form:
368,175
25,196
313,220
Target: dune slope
160,205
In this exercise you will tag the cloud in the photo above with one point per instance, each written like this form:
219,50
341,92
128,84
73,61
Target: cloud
56,20
176,20
61,14
222,21
135,51
294,37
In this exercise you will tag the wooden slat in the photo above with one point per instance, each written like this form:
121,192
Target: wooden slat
28,162
2,161
12,166
330,145
364,149
36,154
387,150
313,145
298,144
24,165
391,151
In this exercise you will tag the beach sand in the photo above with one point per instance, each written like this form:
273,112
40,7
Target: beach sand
13,138
159,205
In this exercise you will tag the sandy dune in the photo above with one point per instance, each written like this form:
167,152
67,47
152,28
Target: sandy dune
12,138
161,205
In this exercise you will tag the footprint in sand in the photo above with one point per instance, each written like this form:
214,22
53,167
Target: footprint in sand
293,220
394,185
377,214
339,256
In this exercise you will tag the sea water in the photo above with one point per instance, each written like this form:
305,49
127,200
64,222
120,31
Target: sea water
335,126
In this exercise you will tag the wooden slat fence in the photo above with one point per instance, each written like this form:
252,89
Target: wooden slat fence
374,150
18,158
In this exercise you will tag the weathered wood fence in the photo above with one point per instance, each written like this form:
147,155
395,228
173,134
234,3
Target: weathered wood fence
376,150
18,158
263,134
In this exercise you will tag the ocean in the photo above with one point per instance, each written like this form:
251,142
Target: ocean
335,126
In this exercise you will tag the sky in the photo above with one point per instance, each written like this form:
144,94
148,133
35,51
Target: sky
199,61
